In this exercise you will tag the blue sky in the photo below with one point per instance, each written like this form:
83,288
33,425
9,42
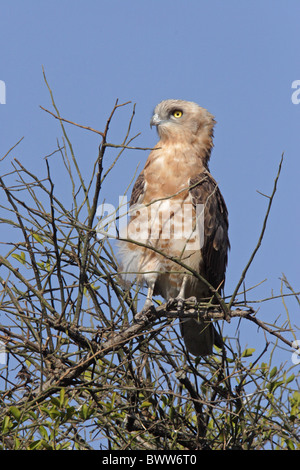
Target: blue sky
236,58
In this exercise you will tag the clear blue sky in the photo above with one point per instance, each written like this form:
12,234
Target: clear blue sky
236,58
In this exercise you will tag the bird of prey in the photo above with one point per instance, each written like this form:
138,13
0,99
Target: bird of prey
177,212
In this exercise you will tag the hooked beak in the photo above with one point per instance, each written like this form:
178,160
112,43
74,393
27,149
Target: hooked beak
155,120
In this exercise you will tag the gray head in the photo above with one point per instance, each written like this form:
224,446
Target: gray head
174,117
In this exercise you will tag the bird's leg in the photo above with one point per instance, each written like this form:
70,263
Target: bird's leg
180,297
148,302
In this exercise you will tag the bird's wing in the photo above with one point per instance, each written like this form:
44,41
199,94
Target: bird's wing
138,190
204,190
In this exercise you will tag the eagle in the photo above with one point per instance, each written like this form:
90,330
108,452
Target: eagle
178,220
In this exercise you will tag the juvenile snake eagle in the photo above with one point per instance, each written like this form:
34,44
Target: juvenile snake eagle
177,209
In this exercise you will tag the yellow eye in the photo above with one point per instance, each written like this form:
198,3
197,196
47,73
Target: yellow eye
177,114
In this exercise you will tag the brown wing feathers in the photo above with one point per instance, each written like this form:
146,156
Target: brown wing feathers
204,190
137,190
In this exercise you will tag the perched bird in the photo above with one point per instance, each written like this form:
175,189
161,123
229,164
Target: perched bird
177,210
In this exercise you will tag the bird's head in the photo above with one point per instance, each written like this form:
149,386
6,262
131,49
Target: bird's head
179,119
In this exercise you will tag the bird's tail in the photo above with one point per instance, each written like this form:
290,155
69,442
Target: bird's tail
200,336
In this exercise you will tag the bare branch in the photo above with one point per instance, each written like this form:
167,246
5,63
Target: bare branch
71,122
260,237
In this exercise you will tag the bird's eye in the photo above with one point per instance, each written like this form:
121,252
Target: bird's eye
177,114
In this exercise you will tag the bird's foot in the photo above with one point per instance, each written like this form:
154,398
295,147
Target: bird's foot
148,305
177,302
180,304
170,303
191,300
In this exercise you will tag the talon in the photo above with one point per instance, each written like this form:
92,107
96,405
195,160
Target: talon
177,302
180,304
148,304
144,313
192,300
170,303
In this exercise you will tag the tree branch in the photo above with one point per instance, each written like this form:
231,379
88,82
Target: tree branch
260,237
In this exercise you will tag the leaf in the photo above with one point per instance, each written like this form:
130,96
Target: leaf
43,433
62,397
146,404
272,386
48,265
94,287
20,258
248,352
290,444
273,372
17,444
38,238
264,368
295,405
290,378
70,412
54,413
66,445
55,401
172,412
15,412
6,424
296,397
84,411
36,444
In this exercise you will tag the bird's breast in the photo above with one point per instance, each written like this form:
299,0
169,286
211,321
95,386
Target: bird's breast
168,171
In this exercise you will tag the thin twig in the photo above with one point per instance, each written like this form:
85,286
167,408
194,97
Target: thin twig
260,237
71,122
14,146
